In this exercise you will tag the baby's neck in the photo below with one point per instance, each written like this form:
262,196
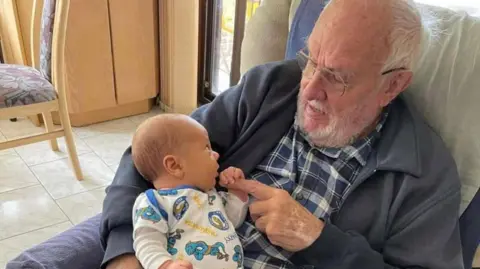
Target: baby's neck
166,183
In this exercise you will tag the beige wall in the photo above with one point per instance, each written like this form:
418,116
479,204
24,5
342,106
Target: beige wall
178,27
12,41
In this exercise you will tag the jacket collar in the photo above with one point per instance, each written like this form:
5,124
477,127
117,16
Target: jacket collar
397,148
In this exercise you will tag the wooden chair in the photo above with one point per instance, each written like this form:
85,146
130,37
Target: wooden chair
26,91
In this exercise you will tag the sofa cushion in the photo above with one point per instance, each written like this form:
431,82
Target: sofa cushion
306,14
446,89
23,85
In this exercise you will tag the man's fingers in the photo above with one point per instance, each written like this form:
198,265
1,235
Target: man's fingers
259,208
261,223
256,189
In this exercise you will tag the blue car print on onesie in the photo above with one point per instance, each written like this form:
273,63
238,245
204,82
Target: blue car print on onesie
217,220
238,256
211,198
172,239
180,206
147,213
200,249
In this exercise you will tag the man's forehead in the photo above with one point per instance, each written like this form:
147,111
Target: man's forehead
348,29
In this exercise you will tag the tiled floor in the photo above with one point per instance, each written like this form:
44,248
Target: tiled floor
39,196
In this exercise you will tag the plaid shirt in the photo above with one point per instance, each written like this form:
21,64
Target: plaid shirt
316,177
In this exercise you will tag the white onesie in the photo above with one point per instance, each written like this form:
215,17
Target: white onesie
186,223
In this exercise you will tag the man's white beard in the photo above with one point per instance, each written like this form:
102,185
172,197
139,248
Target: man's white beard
341,130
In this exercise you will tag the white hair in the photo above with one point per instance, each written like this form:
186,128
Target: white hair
411,34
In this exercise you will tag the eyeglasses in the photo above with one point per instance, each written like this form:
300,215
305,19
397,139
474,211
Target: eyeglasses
334,81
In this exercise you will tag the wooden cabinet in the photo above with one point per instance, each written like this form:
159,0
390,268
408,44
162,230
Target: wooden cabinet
112,63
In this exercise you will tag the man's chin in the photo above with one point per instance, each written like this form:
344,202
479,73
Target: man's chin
310,125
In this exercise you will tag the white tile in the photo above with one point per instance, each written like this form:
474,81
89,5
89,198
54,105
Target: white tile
27,209
6,151
58,178
22,127
137,119
82,206
110,147
13,246
41,152
119,126
15,173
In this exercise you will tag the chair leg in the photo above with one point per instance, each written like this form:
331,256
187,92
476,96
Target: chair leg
72,151
47,118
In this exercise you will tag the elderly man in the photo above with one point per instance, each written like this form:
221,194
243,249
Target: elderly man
344,173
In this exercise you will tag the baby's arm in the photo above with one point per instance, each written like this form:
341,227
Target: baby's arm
236,201
235,208
150,229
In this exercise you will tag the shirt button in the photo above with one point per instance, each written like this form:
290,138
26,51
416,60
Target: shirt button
300,196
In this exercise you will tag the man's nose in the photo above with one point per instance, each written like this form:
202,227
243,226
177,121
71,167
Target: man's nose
314,88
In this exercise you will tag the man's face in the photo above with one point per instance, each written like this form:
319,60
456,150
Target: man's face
343,97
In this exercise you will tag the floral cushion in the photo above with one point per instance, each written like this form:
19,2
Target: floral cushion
22,85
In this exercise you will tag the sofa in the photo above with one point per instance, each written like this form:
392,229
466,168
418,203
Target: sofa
446,90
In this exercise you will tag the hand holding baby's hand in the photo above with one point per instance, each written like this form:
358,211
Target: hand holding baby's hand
231,175
178,264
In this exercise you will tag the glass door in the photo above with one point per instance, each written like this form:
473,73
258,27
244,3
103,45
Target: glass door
221,32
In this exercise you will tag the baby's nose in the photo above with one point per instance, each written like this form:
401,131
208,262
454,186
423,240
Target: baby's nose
215,155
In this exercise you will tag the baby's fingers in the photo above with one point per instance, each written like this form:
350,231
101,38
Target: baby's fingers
238,174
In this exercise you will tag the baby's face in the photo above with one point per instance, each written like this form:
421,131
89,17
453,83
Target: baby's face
200,161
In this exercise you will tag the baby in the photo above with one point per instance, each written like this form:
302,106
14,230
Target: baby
184,222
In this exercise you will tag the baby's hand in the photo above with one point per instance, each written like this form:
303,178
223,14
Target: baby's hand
178,264
230,176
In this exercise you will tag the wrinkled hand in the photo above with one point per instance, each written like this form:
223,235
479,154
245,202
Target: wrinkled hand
286,223
230,178
178,264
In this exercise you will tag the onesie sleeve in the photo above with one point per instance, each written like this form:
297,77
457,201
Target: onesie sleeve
235,208
150,231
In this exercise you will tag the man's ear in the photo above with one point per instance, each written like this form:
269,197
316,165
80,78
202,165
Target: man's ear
173,166
397,83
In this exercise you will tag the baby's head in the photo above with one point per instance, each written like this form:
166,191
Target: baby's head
173,149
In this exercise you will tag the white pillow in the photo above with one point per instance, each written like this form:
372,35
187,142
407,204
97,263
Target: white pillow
446,89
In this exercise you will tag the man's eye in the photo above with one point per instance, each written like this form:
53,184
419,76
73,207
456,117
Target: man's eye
334,78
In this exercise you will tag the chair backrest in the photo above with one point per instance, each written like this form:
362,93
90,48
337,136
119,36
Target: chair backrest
46,38
446,89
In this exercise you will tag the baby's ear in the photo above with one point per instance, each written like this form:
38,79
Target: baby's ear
173,166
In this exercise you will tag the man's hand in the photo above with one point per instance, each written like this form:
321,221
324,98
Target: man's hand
286,223
230,178
127,261
178,264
